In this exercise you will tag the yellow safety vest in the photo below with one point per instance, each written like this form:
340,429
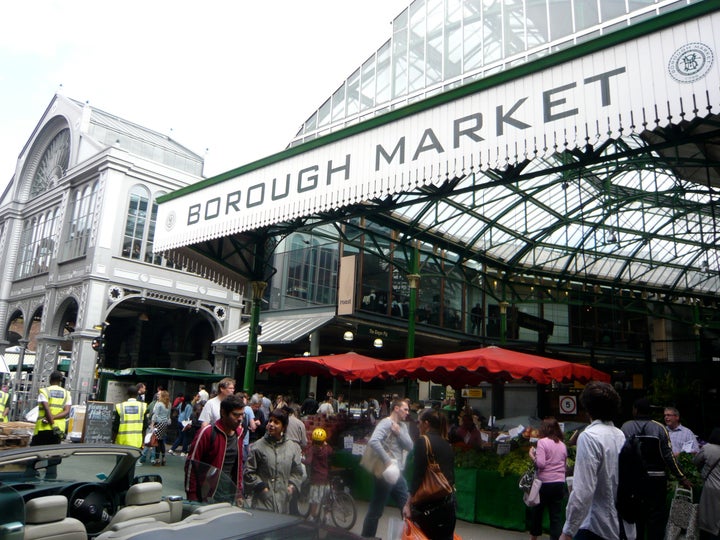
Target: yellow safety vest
56,397
131,414
3,404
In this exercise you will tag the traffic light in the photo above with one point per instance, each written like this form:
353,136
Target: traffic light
98,344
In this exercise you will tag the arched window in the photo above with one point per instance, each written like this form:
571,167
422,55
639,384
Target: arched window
80,223
140,228
37,243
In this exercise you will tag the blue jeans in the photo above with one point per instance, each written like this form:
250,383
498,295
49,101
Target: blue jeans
380,497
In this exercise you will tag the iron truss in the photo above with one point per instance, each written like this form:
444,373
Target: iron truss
634,217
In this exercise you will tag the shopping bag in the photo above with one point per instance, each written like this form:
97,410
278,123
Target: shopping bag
434,485
532,498
151,439
372,462
526,480
412,532
683,517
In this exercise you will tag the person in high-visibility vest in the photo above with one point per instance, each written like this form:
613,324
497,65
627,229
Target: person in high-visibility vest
53,408
4,404
129,420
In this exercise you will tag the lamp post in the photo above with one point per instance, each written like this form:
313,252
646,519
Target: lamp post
258,288
17,392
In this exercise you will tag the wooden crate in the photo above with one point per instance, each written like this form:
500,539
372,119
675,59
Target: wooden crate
8,442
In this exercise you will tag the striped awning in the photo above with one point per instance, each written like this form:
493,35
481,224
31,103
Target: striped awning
277,330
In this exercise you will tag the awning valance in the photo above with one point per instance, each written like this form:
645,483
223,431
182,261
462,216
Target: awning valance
277,330
169,373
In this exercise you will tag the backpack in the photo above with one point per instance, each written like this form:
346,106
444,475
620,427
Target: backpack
634,486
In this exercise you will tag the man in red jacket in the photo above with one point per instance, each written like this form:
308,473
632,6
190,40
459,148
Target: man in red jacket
213,470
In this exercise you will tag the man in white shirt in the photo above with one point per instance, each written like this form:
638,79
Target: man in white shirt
682,438
590,512
211,411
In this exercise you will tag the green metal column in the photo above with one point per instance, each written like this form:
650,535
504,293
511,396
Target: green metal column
412,390
258,288
503,321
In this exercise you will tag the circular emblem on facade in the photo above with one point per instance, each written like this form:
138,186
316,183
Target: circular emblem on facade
219,312
170,220
690,62
115,293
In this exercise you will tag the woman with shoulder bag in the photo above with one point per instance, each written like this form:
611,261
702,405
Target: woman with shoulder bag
435,517
550,458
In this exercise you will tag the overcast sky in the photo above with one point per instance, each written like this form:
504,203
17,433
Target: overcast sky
235,77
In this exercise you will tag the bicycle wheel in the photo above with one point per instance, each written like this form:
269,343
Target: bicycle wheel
303,502
343,510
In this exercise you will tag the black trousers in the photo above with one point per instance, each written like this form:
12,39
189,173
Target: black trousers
651,526
551,497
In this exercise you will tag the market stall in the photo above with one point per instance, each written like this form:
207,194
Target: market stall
487,473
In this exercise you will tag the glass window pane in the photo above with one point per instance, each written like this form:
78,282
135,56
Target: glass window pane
400,63
367,77
382,75
416,61
353,94
560,24
586,14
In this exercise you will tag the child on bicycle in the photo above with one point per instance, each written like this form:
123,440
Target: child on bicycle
317,458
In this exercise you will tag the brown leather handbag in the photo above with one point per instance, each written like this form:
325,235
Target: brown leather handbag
435,485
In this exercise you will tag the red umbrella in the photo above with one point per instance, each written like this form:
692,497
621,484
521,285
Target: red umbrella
348,366
489,364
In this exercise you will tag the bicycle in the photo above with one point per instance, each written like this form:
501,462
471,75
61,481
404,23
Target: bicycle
336,502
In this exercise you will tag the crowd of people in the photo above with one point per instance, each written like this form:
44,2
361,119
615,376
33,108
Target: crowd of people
261,447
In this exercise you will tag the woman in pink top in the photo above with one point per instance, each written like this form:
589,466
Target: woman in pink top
549,458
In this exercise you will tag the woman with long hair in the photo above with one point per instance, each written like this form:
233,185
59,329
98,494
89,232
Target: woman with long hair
550,458
159,423
435,518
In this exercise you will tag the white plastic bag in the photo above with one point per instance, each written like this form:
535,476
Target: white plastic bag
391,474
148,436
532,497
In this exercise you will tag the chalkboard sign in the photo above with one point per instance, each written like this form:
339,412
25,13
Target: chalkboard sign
98,422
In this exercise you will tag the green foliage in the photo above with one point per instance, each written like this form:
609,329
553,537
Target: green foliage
691,471
516,462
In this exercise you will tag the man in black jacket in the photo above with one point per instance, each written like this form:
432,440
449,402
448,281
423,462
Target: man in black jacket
660,460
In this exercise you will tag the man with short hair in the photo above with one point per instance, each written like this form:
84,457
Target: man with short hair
310,405
141,391
391,441
218,447
591,512
129,420
660,460
211,411
681,438
53,408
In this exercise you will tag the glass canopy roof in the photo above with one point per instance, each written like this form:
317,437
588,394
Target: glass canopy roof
440,44
637,213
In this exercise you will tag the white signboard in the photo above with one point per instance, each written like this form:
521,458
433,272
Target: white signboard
633,86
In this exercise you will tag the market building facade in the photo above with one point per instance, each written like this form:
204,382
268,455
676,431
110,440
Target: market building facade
81,289
536,174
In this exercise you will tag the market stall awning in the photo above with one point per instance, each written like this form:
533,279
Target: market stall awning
278,330
170,373
349,366
489,364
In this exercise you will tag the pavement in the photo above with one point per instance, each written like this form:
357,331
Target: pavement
173,484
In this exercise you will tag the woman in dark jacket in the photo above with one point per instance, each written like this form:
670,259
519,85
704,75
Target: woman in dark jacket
435,518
